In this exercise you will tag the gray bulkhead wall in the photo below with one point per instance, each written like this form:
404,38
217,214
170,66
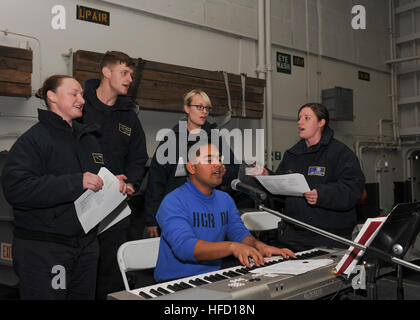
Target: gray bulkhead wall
219,35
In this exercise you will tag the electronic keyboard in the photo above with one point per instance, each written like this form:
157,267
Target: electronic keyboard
240,283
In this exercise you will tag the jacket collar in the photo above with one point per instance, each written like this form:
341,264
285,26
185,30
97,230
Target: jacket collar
122,103
207,126
54,120
300,147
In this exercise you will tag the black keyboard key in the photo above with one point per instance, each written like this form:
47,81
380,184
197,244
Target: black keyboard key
145,295
161,290
227,274
220,277
198,282
210,278
195,282
320,252
175,287
216,277
243,271
155,292
185,285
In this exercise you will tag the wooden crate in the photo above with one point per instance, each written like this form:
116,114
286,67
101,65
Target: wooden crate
15,72
161,86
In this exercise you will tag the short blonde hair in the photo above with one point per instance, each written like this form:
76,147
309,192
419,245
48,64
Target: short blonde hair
192,93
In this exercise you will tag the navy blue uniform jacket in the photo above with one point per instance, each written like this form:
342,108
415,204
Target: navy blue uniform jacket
334,171
162,178
43,174
121,135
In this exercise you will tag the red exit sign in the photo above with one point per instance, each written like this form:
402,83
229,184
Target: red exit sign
6,251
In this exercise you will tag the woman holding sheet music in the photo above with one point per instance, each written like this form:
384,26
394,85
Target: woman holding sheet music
46,170
334,176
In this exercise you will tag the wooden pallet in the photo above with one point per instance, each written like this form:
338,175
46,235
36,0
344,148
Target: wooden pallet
161,86
15,72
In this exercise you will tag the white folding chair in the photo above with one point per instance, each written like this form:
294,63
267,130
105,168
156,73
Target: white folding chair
137,255
260,221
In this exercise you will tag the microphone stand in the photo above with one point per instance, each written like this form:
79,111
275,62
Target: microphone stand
371,272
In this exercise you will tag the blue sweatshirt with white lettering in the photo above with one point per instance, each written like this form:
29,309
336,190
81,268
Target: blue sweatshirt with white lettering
185,216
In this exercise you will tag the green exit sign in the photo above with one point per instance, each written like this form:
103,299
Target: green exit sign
277,155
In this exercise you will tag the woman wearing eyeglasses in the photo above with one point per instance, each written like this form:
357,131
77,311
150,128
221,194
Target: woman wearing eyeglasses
163,178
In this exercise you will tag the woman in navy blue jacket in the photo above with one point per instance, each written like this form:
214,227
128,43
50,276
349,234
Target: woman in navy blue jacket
46,170
334,176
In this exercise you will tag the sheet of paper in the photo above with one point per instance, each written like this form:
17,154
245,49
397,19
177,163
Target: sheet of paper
293,184
111,219
365,236
294,267
92,207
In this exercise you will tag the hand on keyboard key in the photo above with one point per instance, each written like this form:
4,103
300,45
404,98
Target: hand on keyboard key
244,252
269,251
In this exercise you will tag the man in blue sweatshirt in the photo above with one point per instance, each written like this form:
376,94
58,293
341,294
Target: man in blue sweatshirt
196,219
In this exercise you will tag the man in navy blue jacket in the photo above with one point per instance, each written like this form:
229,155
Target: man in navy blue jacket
195,220
123,141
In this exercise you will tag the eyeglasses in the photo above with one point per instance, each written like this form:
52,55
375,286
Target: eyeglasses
200,107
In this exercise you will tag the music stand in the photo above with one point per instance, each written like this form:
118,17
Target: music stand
394,238
399,232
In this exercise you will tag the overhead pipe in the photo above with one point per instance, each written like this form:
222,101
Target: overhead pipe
394,105
320,49
10,135
380,144
7,115
400,60
362,145
308,54
269,89
261,41
261,63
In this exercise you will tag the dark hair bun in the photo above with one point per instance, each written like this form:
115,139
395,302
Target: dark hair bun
51,83
40,94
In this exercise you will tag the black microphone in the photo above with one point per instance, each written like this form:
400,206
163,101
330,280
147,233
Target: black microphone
256,193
